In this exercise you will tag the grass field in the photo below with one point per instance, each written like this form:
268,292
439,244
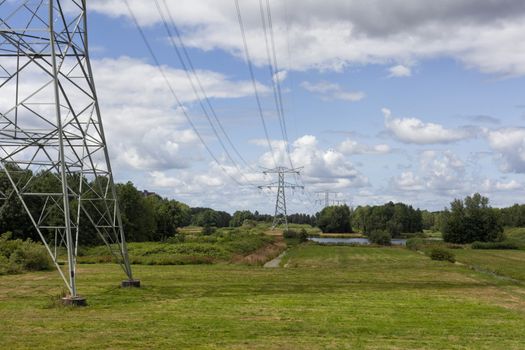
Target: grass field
505,263
327,297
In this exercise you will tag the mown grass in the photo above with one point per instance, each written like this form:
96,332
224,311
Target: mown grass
329,297
506,263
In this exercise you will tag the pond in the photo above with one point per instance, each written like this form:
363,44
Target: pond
363,241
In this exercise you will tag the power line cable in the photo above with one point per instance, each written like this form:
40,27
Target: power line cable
187,72
170,87
197,79
273,76
252,76
276,81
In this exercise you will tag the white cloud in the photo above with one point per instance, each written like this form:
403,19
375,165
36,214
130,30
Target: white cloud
187,181
146,129
350,146
280,76
399,71
332,91
408,181
439,172
509,145
321,167
334,34
489,185
443,171
413,130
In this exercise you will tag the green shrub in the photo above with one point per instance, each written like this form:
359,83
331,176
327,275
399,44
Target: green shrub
290,234
31,257
247,223
441,254
208,230
177,238
4,265
415,243
17,256
222,245
380,237
494,245
302,235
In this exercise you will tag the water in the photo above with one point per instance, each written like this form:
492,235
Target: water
363,241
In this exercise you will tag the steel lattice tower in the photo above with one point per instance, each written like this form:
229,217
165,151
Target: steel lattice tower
327,201
51,128
280,216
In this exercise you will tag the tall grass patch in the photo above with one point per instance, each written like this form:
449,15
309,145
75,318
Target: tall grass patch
17,256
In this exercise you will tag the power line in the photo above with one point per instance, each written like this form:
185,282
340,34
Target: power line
276,81
170,87
252,76
273,76
290,79
186,71
197,79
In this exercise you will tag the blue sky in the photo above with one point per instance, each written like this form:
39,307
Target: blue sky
383,100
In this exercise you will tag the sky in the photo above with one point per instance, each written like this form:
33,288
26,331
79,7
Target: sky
402,100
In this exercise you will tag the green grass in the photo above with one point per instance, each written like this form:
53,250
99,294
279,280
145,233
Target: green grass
516,235
509,263
329,297
223,245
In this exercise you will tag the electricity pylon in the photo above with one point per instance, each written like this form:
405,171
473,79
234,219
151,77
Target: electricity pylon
327,200
53,151
280,216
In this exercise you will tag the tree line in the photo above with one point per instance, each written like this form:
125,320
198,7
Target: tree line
145,216
149,217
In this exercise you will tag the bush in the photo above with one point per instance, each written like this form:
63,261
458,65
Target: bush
494,245
415,243
290,233
4,265
17,256
31,257
380,237
302,235
441,254
178,238
249,223
208,230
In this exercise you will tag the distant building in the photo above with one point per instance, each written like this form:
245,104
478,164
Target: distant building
147,193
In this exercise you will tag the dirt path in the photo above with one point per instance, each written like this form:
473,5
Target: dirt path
275,262
263,254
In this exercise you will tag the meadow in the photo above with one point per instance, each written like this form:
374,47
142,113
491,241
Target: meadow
322,297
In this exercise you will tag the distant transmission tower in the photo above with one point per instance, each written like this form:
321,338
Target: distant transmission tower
280,216
53,150
327,201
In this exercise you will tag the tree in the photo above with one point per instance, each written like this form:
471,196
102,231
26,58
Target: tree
137,214
239,216
335,219
169,215
471,219
206,217
428,219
